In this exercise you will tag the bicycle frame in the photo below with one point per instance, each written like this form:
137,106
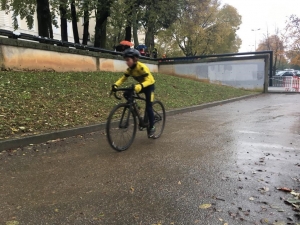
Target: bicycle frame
131,102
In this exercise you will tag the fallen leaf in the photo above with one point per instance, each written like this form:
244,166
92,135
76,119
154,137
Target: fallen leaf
251,198
295,194
264,221
285,189
293,201
12,222
205,206
279,223
56,210
179,182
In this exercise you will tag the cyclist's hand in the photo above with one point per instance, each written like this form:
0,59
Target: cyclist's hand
114,88
138,88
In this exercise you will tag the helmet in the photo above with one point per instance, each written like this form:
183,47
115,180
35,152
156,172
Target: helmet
131,52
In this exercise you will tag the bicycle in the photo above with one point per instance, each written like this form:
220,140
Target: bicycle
123,118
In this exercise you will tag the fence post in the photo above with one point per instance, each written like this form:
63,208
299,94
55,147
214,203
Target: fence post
271,68
267,66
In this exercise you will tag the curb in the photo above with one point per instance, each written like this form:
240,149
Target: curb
40,138
284,92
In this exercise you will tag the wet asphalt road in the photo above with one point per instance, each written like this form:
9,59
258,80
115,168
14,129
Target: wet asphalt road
221,156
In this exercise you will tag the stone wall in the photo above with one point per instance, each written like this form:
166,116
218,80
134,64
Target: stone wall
242,72
25,55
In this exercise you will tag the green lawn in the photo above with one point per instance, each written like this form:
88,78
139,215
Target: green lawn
33,102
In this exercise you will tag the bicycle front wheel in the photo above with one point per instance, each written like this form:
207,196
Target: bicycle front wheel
121,127
159,118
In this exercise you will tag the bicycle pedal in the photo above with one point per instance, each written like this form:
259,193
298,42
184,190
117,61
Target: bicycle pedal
142,128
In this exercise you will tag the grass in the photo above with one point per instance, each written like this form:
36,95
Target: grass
33,102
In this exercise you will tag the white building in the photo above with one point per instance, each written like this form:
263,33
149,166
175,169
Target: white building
6,23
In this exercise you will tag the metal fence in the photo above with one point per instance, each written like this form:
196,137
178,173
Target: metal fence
278,81
29,37
287,83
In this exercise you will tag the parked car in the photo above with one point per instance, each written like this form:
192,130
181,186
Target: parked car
286,73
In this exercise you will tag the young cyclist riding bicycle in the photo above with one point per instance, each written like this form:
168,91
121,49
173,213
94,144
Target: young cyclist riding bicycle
141,73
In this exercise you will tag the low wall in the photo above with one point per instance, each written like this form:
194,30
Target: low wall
241,72
24,55
249,72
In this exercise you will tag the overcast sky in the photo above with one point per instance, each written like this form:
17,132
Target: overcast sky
260,14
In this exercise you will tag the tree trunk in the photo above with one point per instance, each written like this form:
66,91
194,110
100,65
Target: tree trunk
128,25
128,33
50,27
86,23
44,18
100,35
63,22
74,22
103,11
103,36
149,38
128,21
135,27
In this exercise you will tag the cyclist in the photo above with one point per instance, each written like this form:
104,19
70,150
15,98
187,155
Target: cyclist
141,73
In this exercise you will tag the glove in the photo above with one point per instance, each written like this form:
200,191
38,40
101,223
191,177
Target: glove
138,88
114,88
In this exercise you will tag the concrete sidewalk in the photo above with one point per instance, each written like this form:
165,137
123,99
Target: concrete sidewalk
232,156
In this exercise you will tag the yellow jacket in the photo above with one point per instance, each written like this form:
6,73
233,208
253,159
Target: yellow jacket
140,73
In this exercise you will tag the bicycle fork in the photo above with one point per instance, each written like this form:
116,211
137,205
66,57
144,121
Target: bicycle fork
121,125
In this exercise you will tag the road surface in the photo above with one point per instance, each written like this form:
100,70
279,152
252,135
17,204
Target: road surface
232,158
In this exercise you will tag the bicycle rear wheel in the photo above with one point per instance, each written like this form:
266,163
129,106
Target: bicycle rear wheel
121,127
159,118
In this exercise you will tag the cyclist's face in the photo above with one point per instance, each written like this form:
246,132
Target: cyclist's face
129,61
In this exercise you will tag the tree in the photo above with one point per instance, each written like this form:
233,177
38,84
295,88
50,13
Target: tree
74,22
202,27
128,33
273,43
158,14
25,9
86,23
102,13
63,20
293,39
116,23
44,18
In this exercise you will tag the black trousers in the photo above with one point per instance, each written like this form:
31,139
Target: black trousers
149,95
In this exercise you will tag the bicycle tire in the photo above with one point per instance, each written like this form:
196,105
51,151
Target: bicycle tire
162,115
110,124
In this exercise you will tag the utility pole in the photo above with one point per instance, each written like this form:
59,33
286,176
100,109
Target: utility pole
255,30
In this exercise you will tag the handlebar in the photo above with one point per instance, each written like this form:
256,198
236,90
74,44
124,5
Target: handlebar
122,89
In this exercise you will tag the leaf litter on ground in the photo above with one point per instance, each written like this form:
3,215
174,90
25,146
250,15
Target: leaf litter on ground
36,102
